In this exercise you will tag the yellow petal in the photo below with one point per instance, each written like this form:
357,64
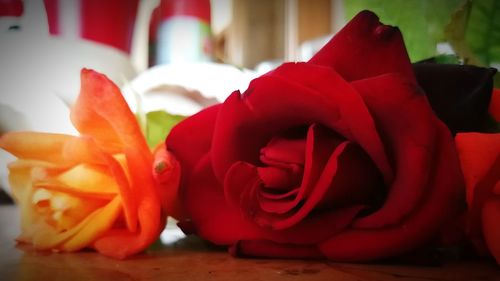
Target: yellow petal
95,226
21,187
46,237
86,178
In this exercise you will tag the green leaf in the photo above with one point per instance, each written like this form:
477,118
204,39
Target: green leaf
158,125
483,30
447,59
474,31
422,22
496,80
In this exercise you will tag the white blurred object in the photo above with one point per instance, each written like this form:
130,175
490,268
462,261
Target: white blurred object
212,80
40,76
309,48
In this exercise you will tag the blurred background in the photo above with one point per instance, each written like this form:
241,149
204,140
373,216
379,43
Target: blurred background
180,56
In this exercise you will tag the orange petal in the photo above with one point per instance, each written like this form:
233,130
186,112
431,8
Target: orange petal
101,112
494,108
121,243
87,150
38,146
166,171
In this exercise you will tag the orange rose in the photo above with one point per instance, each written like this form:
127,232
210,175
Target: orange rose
480,160
95,190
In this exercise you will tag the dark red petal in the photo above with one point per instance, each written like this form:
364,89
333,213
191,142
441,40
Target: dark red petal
224,224
320,188
442,201
366,48
277,102
281,149
191,139
320,145
212,217
280,179
405,119
265,248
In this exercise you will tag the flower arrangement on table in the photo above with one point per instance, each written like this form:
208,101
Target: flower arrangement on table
355,155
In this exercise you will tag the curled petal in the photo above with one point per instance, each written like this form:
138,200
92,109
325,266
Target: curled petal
366,48
252,119
411,144
417,228
39,146
187,148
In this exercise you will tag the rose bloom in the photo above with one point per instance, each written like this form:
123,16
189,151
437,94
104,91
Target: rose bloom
339,157
480,160
96,190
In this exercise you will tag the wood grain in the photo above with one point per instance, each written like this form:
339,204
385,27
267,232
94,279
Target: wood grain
193,259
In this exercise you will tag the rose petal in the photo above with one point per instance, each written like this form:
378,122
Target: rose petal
491,227
89,179
282,149
480,160
45,238
419,226
38,146
167,173
224,224
115,127
366,48
97,224
187,147
412,143
252,119
320,145
478,153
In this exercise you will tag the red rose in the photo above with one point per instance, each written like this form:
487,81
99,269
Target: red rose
340,157
480,160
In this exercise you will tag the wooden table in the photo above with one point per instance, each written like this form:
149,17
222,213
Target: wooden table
192,259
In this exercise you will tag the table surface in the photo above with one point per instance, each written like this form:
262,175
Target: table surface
192,259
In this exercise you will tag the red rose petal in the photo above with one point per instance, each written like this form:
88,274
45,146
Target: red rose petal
213,218
480,160
491,227
446,186
252,119
366,48
279,179
191,139
329,181
282,149
320,145
216,220
396,105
